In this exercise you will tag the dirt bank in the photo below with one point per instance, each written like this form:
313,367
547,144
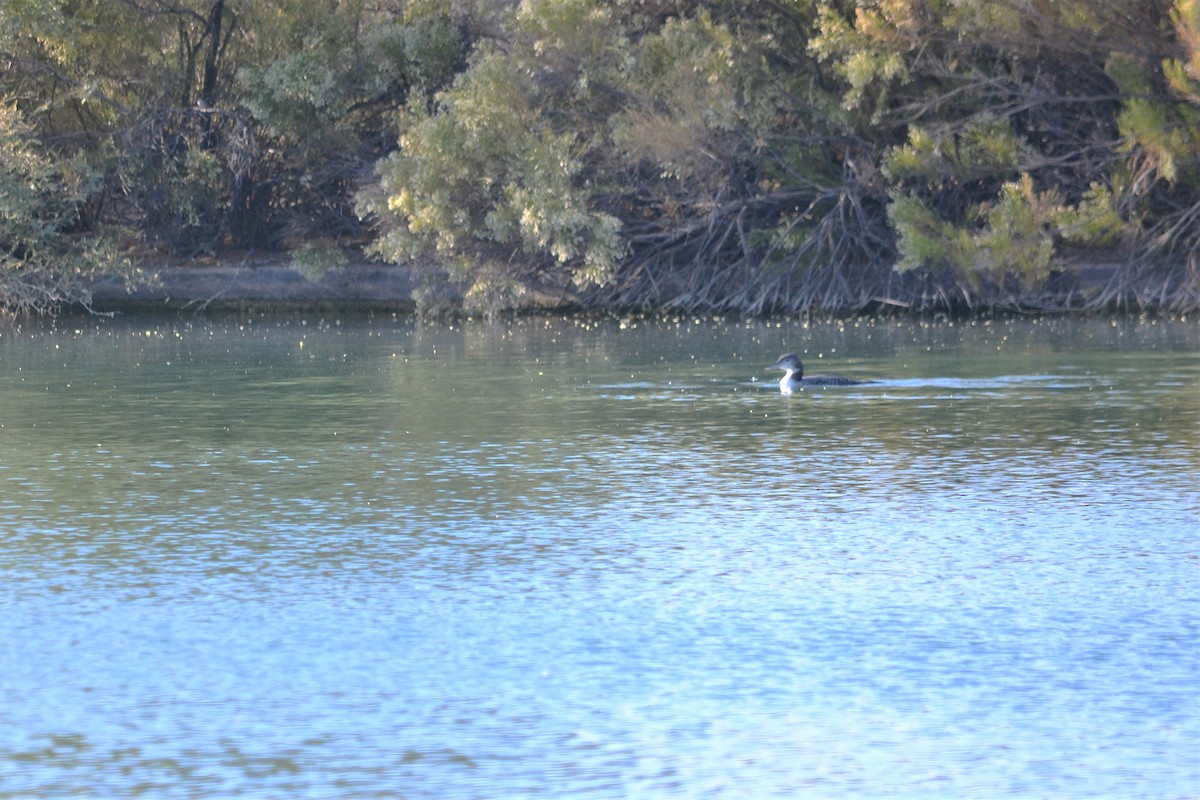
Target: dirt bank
223,284
1094,284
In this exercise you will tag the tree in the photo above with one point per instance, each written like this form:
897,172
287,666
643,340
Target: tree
493,183
219,124
721,154
637,154
44,262
1033,132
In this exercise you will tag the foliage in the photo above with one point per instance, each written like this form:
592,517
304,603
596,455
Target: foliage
492,185
316,257
1014,237
611,153
1033,131
213,125
724,154
43,262
780,156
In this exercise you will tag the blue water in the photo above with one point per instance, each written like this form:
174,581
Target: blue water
573,559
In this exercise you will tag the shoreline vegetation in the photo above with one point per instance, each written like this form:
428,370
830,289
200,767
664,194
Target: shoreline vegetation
656,156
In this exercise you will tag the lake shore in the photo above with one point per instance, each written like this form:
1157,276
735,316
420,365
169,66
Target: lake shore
274,283
223,284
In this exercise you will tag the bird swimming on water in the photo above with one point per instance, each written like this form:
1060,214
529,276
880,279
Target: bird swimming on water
793,379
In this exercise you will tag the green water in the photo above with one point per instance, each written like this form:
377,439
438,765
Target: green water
370,558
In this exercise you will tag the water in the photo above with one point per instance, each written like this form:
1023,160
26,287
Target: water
263,558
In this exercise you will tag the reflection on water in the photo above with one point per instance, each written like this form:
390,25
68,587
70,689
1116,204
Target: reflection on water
607,559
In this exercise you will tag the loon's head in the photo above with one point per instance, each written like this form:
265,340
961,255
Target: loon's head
793,373
790,364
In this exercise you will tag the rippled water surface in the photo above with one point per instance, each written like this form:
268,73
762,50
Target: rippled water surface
261,558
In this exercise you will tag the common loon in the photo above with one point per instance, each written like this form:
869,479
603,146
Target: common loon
793,379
